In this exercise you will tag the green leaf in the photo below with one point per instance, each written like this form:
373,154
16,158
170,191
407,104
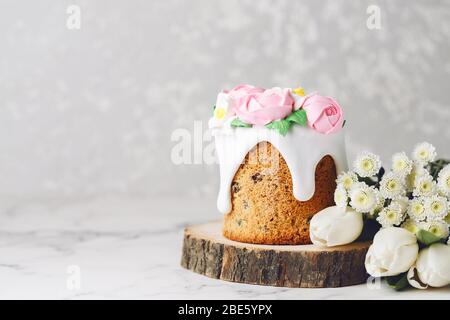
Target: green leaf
238,123
399,282
427,238
436,166
298,116
282,126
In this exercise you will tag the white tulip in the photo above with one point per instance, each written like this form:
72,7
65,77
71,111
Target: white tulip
335,226
432,267
393,251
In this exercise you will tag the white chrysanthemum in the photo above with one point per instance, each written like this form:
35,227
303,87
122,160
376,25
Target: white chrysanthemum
392,186
347,179
444,181
367,164
424,152
393,215
436,208
411,225
416,209
438,228
424,186
363,198
401,164
341,196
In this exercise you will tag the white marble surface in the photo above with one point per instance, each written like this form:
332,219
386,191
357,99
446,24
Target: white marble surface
126,248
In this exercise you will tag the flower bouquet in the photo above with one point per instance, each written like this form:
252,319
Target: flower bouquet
409,206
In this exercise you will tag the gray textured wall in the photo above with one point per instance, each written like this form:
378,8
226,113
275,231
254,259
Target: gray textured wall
91,111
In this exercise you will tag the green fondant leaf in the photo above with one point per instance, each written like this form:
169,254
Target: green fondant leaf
298,116
239,123
282,126
427,238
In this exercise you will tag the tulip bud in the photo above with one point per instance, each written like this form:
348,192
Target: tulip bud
432,267
393,251
335,226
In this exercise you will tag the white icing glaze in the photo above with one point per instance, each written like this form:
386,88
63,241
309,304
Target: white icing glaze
302,149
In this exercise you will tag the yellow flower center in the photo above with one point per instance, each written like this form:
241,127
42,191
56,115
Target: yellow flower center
423,154
425,186
367,164
219,113
436,207
400,165
392,185
418,209
391,215
348,182
434,230
362,199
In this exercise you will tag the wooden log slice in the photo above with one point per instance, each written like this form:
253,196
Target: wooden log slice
206,251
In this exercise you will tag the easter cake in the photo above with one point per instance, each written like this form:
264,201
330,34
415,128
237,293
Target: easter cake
279,152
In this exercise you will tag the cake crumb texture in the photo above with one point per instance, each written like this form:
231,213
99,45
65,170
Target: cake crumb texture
264,209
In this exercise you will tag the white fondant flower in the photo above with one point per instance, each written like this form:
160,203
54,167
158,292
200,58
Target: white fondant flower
394,251
436,207
438,228
424,186
424,152
363,198
341,196
411,225
432,267
444,181
401,164
392,186
367,164
347,179
335,226
299,97
416,209
392,215
221,114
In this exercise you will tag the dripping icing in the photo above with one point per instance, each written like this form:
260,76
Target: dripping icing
302,150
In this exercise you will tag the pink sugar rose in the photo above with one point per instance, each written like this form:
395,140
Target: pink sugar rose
259,106
324,114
